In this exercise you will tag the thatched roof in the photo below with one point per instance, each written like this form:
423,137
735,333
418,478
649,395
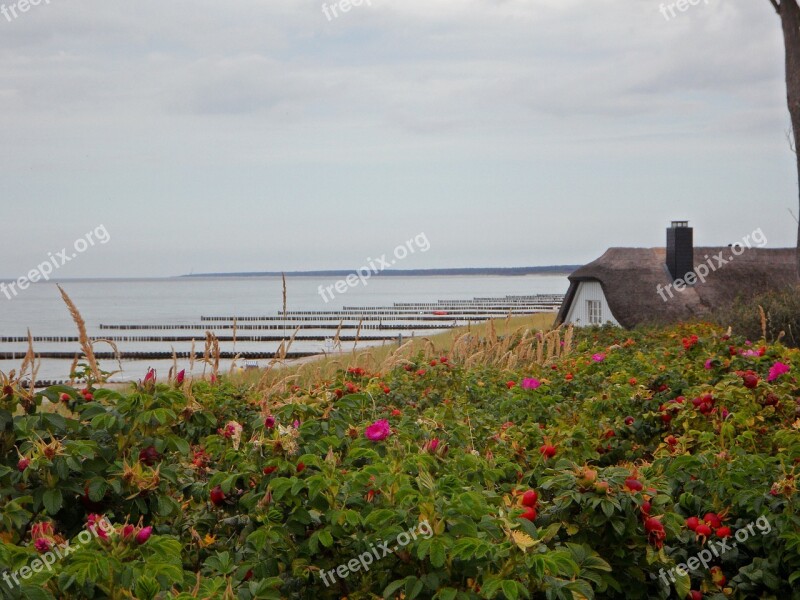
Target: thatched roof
630,276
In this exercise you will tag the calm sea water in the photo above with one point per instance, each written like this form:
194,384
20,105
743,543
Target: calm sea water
184,301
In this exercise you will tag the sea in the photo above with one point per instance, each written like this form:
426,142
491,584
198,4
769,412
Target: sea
152,304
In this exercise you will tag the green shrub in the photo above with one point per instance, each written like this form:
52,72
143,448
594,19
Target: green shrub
781,312
585,477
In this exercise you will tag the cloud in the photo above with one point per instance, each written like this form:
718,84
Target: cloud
268,108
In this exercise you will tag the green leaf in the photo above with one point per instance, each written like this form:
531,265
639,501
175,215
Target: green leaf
166,506
316,484
325,538
510,589
97,489
352,518
279,487
393,587
53,500
683,585
379,518
259,538
413,587
179,444
447,593
30,592
146,587
422,549
438,553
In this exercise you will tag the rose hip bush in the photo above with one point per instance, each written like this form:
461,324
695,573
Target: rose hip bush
583,477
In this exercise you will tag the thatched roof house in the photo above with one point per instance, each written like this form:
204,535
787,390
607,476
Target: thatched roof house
633,286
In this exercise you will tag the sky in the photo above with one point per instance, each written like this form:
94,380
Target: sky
265,136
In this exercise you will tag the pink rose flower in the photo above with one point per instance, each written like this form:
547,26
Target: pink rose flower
530,383
378,431
43,529
144,535
599,357
708,364
777,370
99,525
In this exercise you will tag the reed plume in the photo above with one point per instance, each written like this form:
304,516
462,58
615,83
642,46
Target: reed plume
83,338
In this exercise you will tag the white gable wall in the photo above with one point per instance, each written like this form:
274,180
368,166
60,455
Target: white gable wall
579,311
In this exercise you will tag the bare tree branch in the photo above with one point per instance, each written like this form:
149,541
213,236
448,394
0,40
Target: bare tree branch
776,5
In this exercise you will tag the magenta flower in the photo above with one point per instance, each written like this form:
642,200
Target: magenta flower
708,364
144,535
777,370
150,377
378,431
180,377
269,422
530,383
599,357
96,524
232,430
42,545
435,446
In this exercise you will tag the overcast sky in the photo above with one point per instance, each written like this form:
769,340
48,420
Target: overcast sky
260,135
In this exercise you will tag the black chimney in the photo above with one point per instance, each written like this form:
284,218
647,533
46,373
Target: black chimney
680,249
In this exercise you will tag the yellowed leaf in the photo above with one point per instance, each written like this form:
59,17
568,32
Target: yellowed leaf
523,540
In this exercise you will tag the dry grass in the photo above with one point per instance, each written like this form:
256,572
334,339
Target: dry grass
510,343
86,343
507,343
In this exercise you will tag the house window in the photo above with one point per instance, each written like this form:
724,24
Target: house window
595,312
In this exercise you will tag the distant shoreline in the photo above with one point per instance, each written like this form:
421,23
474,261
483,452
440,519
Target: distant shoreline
495,271
472,272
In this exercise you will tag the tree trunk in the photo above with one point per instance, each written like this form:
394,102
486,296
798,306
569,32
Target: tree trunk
790,17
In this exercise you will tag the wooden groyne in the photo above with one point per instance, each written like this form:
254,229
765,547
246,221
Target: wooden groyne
158,355
373,324
333,326
422,318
